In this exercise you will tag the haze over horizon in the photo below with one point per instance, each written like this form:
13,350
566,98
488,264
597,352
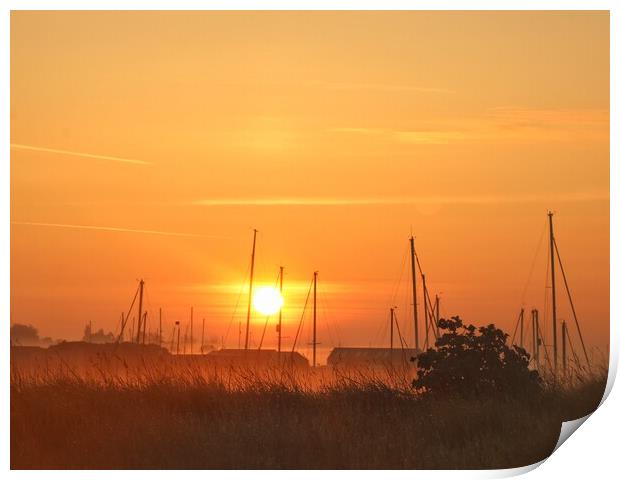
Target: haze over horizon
150,144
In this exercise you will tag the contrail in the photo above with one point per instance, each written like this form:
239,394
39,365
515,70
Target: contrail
78,154
115,229
361,201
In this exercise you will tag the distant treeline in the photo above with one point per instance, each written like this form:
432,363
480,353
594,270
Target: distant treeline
28,336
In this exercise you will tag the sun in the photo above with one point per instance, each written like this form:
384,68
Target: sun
267,300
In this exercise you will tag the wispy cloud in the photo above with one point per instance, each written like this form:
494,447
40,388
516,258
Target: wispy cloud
500,124
387,200
114,229
294,201
433,137
360,130
32,148
385,87
430,137
557,118
557,125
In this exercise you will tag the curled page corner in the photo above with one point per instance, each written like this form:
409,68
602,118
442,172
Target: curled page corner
612,370
514,472
568,428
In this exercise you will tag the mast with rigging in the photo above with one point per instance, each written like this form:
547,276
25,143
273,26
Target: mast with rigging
247,323
280,313
415,294
314,323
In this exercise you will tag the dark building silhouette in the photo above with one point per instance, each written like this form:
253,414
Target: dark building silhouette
231,357
353,357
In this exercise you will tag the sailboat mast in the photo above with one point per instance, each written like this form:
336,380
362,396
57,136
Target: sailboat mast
553,304
314,324
564,348
436,317
178,325
144,328
140,310
533,357
392,328
280,313
247,323
202,337
191,330
415,295
425,295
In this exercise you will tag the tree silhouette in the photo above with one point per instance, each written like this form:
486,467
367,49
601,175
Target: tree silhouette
24,334
470,361
97,337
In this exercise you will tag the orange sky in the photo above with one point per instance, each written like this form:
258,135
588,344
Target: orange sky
335,135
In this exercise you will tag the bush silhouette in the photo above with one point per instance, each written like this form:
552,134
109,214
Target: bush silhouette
474,362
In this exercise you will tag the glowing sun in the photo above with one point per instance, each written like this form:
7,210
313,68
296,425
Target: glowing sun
267,300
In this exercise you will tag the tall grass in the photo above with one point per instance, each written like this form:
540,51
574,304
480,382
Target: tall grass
187,417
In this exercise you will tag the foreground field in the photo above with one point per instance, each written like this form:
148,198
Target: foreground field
245,420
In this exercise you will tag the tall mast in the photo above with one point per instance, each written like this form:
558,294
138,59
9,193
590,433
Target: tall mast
391,328
535,336
280,313
415,295
160,330
553,306
564,348
521,334
144,329
436,317
140,309
247,323
191,330
178,325
202,337
424,294
314,324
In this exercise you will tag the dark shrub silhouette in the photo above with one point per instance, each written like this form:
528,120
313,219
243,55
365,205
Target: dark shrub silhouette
474,362
24,335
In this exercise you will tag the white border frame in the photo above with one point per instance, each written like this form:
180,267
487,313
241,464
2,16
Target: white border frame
590,452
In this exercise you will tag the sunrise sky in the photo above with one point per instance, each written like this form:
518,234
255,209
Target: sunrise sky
168,137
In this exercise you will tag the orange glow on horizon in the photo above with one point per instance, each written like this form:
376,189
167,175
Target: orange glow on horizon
153,152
